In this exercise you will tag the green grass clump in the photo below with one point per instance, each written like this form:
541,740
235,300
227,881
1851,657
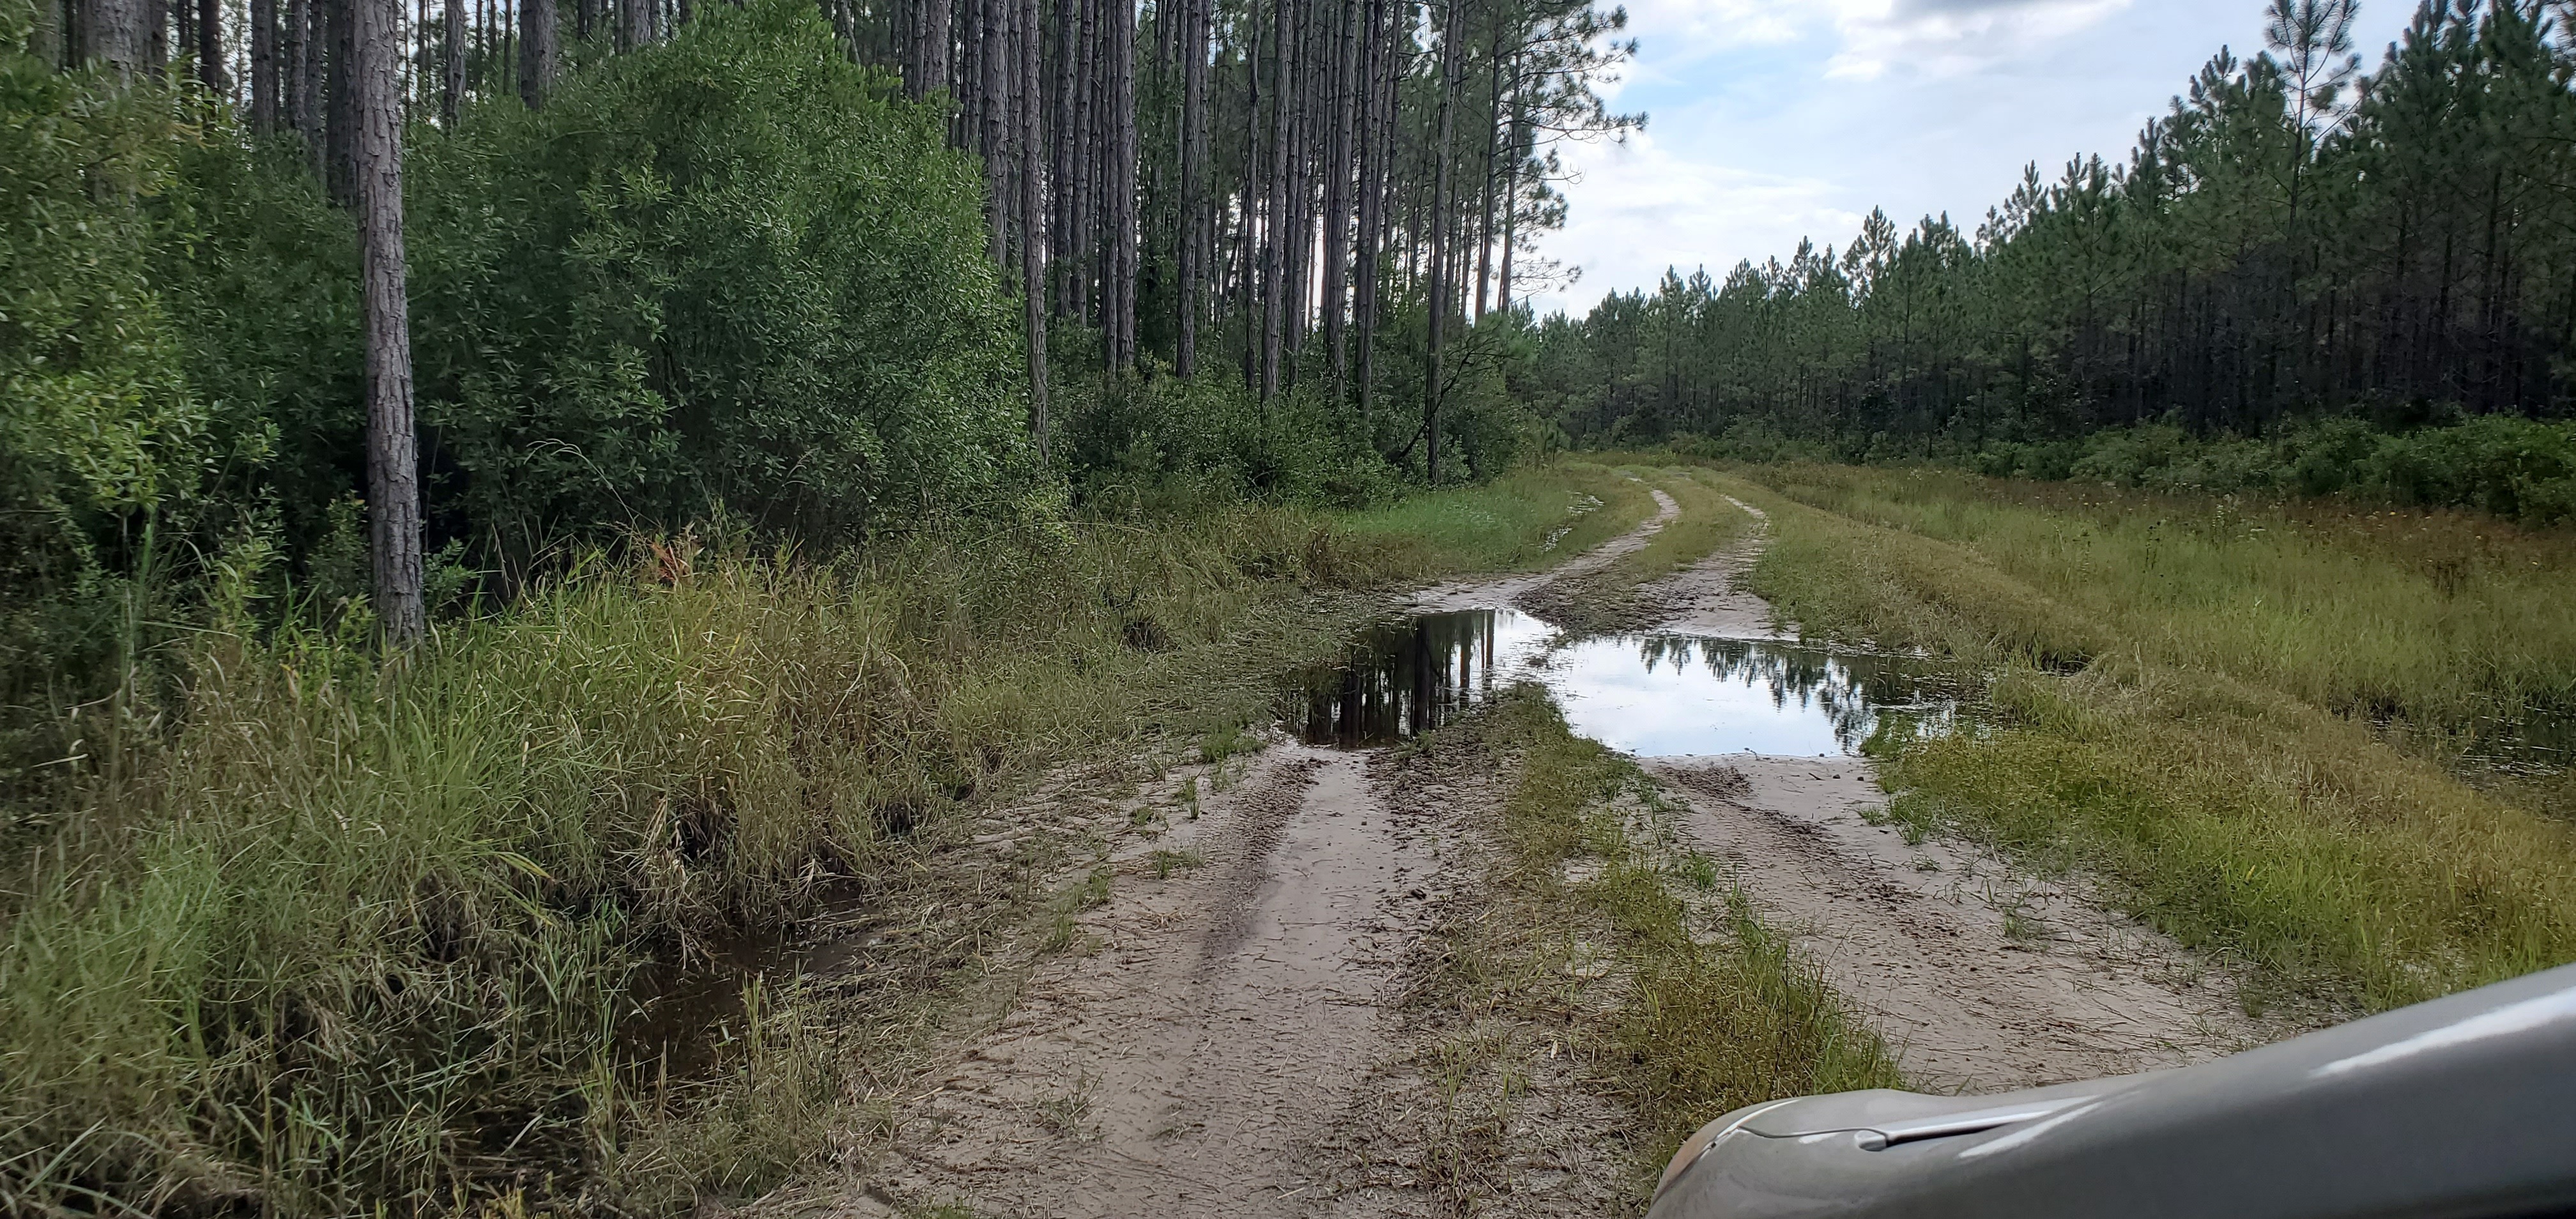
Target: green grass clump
2256,752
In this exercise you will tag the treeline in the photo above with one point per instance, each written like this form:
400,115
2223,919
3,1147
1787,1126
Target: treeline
397,306
2295,240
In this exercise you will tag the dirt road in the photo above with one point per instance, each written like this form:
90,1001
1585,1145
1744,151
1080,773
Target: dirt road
1217,1027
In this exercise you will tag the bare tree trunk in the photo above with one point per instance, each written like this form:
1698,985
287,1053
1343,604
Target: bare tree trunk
210,47
110,33
1274,245
539,51
263,65
1451,47
1194,209
1122,185
340,118
930,50
156,34
1247,257
991,125
1485,196
45,37
393,462
1511,197
451,96
1337,190
1033,268
302,80
634,24
1376,130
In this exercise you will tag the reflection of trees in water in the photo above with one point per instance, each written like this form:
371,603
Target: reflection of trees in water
1404,679
1400,680
1849,691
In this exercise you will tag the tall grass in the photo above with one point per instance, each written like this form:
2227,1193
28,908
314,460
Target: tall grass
359,935
2196,701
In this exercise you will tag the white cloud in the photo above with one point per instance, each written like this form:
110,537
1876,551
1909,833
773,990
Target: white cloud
1939,38
1639,207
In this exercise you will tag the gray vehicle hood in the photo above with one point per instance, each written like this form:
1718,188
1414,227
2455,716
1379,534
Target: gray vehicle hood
2464,1106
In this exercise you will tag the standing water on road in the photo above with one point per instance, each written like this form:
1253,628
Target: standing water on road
1654,695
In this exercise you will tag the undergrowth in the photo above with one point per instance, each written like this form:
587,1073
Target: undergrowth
343,936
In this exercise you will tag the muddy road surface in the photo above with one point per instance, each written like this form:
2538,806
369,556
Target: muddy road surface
1216,1022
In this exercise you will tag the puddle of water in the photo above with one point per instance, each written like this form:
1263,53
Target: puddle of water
1655,695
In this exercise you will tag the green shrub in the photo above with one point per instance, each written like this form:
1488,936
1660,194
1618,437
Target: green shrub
735,273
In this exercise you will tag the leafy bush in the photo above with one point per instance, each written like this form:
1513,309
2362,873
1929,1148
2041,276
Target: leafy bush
737,273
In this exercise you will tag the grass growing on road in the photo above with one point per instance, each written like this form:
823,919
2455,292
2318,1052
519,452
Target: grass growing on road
1612,598
1598,930
2244,718
348,936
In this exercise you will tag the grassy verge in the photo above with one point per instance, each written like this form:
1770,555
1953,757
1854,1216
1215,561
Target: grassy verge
2238,717
1596,932
350,937
1520,520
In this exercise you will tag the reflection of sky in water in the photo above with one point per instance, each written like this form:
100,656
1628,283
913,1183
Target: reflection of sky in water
1665,695
1617,693
1652,695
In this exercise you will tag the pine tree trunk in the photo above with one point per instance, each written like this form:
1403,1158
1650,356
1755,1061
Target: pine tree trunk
1247,254
1376,127
111,33
1033,268
301,81
340,118
1194,237
1442,156
1122,186
1337,190
1274,244
209,46
263,66
393,463
451,95
539,51
634,24
993,134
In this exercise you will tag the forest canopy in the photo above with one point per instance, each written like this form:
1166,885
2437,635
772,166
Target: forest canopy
2297,240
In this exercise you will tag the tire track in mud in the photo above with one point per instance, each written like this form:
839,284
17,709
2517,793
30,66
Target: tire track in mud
1200,1051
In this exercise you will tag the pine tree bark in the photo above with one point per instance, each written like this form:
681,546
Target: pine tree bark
1451,53
302,83
1122,186
930,50
992,127
1194,209
393,462
1376,131
539,51
1274,244
1337,190
340,117
209,46
1033,266
263,66
110,33
451,95
634,24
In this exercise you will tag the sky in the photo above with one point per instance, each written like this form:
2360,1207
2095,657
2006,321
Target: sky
1772,120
